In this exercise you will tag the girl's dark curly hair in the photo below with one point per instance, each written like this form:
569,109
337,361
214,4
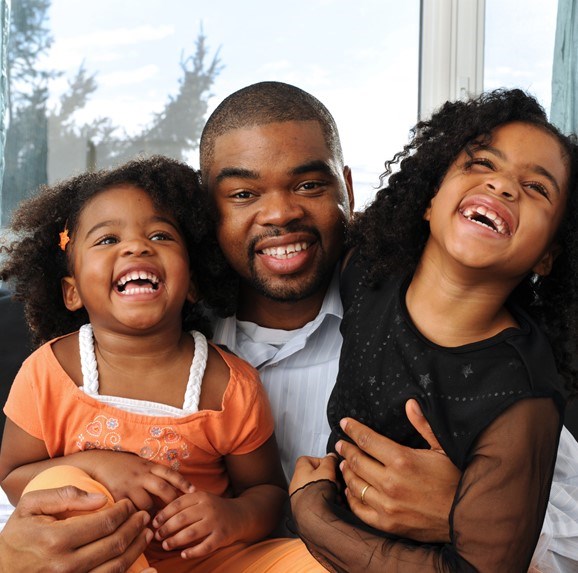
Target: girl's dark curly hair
35,263
391,233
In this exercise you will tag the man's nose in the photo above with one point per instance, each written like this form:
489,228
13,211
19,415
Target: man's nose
280,208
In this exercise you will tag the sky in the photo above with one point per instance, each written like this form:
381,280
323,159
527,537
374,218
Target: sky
346,54
359,58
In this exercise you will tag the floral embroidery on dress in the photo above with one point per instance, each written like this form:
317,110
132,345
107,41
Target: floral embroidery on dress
101,435
165,445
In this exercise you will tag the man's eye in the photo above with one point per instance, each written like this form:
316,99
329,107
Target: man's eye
312,185
242,195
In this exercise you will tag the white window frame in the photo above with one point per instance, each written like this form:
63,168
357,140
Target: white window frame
451,52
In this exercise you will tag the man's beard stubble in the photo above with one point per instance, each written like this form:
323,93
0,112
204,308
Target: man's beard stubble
295,289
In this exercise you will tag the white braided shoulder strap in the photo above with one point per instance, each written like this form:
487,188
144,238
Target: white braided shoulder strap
193,392
88,360
196,373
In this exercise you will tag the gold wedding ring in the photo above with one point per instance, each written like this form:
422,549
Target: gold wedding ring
362,496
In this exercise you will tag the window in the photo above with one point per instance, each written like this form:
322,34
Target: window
519,46
93,83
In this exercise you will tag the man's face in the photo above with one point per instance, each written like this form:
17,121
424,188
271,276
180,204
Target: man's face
283,200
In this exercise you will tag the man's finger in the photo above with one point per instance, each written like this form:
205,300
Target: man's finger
91,527
359,466
120,550
370,442
59,500
419,422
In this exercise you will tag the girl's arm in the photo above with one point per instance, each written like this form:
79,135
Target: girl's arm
260,489
496,516
125,475
19,451
206,521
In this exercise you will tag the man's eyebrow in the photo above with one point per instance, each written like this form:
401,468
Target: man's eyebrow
242,173
233,172
315,165
534,167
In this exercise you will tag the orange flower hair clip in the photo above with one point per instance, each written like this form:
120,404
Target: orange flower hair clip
64,238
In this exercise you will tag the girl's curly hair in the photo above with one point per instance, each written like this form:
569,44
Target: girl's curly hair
35,263
391,233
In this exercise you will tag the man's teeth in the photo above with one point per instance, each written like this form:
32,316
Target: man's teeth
486,217
140,276
285,251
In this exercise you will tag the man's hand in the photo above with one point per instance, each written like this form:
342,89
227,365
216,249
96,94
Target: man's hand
105,541
410,492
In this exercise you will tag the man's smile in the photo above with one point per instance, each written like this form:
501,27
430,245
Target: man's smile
285,251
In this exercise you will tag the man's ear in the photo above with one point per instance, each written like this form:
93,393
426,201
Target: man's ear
544,266
70,294
349,185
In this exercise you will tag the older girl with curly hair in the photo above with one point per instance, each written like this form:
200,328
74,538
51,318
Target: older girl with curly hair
461,293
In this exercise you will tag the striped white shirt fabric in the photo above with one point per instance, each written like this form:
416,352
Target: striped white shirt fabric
298,369
557,550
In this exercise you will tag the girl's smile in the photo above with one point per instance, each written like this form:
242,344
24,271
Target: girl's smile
485,211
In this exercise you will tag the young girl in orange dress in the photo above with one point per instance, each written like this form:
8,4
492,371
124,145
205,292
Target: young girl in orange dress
111,267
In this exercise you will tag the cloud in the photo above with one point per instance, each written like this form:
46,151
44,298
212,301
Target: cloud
128,77
130,113
115,37
103,45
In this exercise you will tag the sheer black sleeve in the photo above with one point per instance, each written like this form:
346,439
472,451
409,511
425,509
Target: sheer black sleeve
495,520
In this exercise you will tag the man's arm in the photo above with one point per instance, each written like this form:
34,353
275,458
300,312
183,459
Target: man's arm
418,485
498,488
102,542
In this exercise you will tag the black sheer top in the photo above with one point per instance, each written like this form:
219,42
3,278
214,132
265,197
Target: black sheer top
495,407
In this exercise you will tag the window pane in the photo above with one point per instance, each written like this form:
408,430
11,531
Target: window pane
519,48
93,83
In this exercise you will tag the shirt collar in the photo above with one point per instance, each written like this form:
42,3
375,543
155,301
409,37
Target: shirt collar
225,329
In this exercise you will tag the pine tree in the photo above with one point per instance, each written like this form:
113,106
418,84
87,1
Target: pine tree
26,147
42,142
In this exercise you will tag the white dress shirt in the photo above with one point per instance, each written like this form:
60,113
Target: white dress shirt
298,369
557,549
